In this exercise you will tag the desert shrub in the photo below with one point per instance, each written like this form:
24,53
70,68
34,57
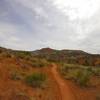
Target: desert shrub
6,54
96,71
82,77
35,79
63,68
72,73
20,96
39,63
80,74
15,76
23,54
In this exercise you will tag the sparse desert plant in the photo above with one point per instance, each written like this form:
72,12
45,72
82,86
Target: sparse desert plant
96,71
23,54
15,76
80,74
20,96
83,77
6,54
40,63
72,74
63,70
36,79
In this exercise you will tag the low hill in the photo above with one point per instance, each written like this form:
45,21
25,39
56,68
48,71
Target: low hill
68,56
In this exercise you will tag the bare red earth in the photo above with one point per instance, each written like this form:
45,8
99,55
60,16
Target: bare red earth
66,93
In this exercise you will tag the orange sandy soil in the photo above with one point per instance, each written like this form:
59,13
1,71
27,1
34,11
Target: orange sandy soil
71,91
86,93
19,90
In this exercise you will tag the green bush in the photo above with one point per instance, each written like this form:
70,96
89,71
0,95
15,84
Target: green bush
35,79
83,77
80,74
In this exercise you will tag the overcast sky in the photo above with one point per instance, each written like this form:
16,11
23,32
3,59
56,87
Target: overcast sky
59,24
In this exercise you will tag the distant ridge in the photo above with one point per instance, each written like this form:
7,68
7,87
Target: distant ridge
66,56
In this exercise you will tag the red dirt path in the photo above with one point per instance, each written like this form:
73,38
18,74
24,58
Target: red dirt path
65,90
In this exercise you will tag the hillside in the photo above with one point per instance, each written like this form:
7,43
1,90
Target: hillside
68,56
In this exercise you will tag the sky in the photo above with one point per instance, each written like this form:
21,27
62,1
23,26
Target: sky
58,24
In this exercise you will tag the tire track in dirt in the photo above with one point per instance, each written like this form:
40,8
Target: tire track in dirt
65,91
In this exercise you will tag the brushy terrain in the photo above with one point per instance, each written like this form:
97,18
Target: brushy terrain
68,56
23,77
79,73
26,75
86,80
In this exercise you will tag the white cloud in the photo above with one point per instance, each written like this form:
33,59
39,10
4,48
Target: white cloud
7,33
67,24
6,30
78,9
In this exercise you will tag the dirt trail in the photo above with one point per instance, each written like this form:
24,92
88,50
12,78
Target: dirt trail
66,93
